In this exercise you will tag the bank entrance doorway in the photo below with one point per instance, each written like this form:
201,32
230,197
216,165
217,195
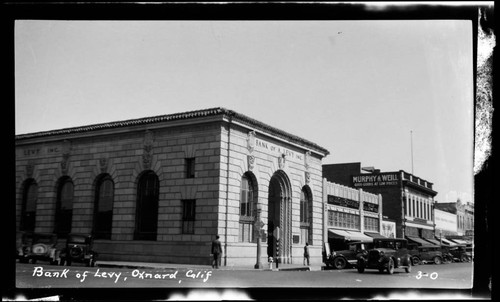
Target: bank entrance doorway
279,218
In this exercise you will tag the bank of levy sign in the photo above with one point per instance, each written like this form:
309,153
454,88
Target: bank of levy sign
376,180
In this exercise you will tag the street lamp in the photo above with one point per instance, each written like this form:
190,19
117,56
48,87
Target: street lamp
257,226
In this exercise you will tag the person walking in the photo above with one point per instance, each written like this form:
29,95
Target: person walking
306,254
216,252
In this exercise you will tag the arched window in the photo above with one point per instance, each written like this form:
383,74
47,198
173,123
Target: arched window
305,215
304,206
64,207
146,219
103,207
247,206
28,210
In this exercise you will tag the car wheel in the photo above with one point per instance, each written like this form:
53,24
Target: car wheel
437,260
339,263
390,266
415,261
463,258
68,262
361,266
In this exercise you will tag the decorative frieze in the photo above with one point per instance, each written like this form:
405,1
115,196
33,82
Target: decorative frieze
66,150
282,161
30,167
251,141
251,162
147,154
103,164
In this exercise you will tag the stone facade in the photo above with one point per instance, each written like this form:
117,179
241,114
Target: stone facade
225,146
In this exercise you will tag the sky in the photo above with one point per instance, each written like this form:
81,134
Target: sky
368,91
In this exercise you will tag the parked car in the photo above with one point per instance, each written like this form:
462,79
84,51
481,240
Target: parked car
386,255
413,251
469,250
79,249
428,254
447,256
459,253
348,258
38,246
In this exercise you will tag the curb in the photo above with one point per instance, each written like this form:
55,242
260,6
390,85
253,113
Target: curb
152,266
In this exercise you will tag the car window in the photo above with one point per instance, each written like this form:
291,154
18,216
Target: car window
77,239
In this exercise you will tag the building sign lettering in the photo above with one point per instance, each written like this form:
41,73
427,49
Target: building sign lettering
344,202
376,180
40,151
278,150
370,207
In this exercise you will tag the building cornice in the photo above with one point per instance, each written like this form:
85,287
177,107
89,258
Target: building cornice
177,119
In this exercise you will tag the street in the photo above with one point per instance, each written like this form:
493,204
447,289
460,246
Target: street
445,276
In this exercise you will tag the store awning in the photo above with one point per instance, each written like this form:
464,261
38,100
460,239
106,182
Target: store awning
459,241
418,240
348,235
433,241
446,241
374,235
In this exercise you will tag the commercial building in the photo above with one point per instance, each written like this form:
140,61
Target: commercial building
408,200
161,188
350,215
464,220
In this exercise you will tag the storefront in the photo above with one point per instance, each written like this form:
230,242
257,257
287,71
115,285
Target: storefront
408,199
161,188
350,215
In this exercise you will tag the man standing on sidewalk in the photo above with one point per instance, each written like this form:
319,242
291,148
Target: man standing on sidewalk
216,251
306,254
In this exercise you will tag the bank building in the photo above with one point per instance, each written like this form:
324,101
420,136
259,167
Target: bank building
161,188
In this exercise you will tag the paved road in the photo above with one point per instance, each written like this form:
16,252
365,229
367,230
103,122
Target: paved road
454,275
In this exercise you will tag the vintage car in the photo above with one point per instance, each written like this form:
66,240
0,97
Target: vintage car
447,256
386,255
459,253
78,249
347,258
428,254
38,246
469,250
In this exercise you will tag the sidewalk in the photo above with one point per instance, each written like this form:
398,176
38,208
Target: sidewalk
177,266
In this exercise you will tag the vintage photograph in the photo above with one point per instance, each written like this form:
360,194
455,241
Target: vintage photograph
216,154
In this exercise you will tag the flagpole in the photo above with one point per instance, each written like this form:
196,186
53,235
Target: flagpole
411,142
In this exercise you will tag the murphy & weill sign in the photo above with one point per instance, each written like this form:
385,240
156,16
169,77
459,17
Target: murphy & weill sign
376,180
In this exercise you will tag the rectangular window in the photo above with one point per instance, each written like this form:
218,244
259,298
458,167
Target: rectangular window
371,224
413,206
188,216
246,232
190,165
343,220
304,236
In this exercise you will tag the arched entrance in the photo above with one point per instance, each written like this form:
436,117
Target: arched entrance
279,216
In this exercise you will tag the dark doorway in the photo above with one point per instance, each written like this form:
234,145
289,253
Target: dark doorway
273,210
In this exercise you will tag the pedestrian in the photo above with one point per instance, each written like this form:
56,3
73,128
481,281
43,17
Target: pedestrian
306,254
216,252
